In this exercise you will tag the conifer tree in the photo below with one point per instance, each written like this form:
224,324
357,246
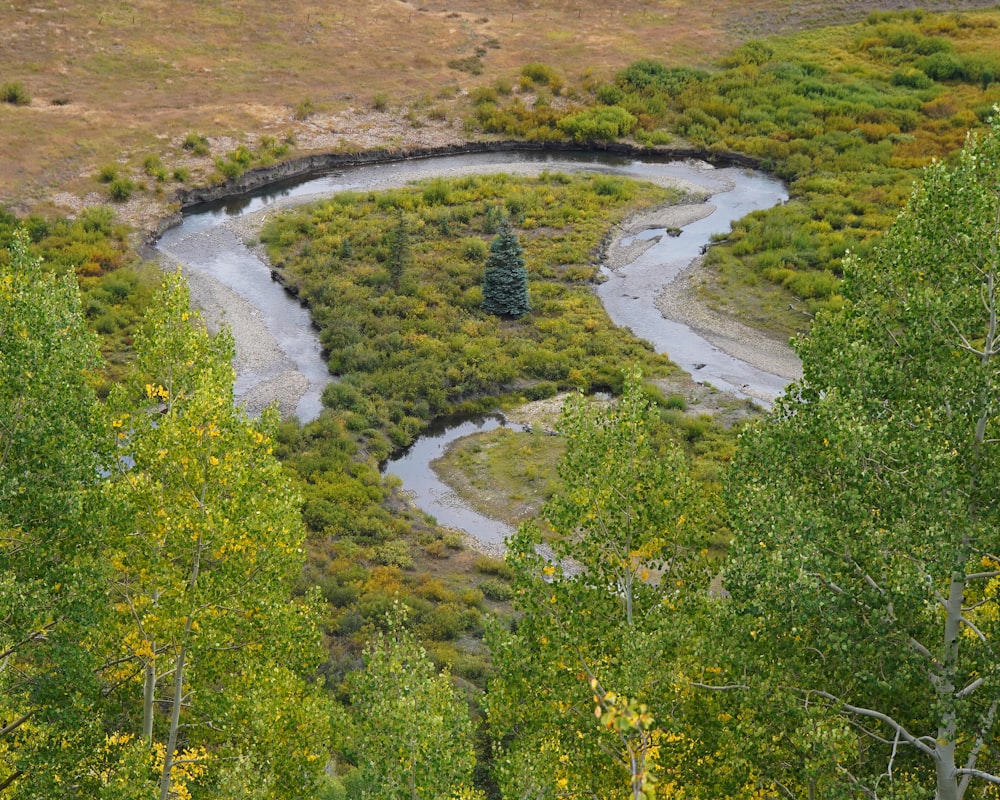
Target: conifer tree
505,281
399,250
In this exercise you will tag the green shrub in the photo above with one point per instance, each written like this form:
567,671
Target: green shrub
268,144
942,67
196,144
438,192
483,94
598,124
229,170
474,249
648,75
15,94
609,94
469,666
543,75
107,173
675,402
380,101
487,565
542,390
610,186
304,109
395,553
496,589
241,155
120,189
153,167
236,162
753,52
471,64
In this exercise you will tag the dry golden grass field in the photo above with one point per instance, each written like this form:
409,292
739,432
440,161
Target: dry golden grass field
114,82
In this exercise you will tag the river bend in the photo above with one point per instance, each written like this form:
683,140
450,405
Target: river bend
278,355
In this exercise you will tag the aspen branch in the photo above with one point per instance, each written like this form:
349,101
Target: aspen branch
29,638
970,688
978,773
921,649
900,730
10,779
17,723
857,783
725,688
975,629
977,748
975,576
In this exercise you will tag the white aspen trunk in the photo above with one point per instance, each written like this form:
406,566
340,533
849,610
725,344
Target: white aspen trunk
178,698
148,700
944,750
175,719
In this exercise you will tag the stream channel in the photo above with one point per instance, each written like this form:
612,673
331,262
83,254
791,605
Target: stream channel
278,350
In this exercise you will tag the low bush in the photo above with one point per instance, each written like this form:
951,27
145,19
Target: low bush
107,173
15,94
196,144
598,124
304,109
487,565
497,590
121,189
154,168
542,75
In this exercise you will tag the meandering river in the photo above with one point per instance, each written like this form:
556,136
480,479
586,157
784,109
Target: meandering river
278,351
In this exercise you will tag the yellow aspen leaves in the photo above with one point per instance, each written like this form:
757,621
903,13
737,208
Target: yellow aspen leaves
156,392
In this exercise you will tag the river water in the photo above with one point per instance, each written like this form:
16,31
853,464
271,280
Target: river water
206,247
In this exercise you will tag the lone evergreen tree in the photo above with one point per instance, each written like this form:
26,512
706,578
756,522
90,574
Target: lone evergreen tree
399,250
505,281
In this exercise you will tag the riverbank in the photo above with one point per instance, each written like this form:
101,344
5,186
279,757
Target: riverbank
228,248
679,301
258,354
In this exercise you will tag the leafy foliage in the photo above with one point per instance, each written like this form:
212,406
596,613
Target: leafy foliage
603,613
143,569
49,555
409,732
115,288
207,542
864,566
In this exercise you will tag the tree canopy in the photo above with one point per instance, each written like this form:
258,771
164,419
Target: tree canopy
866,561
49,554
148,546
602,598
